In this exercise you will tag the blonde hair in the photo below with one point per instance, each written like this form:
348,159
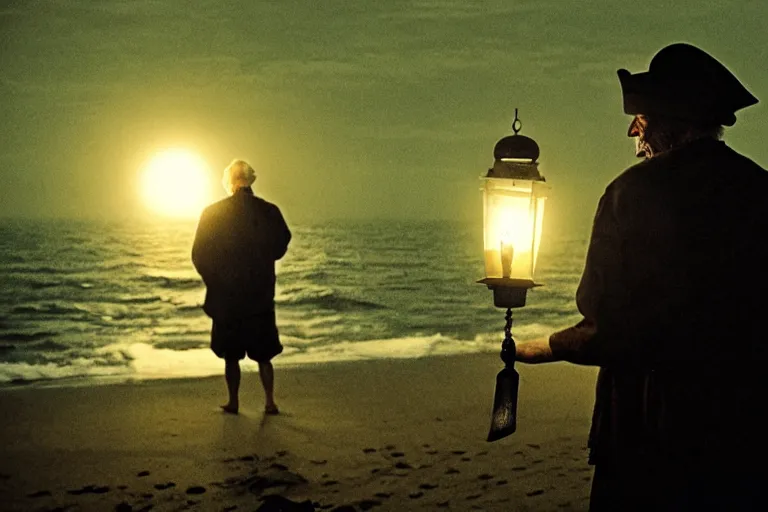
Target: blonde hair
237,174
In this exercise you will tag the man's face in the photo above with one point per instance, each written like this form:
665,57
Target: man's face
637,129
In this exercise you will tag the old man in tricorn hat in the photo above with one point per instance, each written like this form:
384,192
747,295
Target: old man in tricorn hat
674,297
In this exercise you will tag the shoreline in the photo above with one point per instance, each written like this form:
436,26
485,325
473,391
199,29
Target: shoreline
247,366
149,363
408,434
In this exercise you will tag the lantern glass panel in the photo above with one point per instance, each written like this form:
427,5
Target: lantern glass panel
514,210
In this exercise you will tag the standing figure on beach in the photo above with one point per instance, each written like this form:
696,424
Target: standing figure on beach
674,297
237,242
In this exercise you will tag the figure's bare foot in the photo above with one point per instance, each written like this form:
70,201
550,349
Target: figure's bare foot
271,409
230,408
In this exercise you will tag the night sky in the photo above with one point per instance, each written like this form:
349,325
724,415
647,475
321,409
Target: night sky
346,109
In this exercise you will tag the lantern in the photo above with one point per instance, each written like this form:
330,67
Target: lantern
514,194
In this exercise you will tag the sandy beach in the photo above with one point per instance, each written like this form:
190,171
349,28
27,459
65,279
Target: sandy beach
395,434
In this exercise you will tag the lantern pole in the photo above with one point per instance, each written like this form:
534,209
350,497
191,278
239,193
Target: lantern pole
508,345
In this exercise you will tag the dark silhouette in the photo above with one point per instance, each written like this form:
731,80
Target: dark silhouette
673,296
277,503
236,245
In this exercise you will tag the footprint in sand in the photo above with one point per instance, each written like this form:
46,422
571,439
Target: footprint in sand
143,473
247,458
431,452
39,494
537,492
123,507
397,454
473,497
167,485
390,447
466,459
196,489
383,495
458,452
452,471
328,483
368,504
319,462
89,489
485,476
403,465
502,482
519,468
428,487
369,450
416,495
534,446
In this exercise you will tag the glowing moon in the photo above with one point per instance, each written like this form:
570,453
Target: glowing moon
176,183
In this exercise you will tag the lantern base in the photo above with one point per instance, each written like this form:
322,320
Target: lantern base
508,293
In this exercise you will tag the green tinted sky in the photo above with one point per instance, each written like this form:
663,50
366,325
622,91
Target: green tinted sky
346,109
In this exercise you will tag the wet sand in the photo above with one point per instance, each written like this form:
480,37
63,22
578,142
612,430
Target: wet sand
369,435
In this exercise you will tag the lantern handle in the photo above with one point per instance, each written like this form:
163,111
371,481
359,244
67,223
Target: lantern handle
508,345
517,125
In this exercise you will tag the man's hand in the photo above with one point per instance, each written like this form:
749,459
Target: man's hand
534,352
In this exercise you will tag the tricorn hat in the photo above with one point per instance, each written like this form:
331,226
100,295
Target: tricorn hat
685,82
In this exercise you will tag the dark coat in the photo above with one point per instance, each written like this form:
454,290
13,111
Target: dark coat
674,296
236,245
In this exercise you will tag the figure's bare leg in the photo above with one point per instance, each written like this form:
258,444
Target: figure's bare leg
267,375
232,376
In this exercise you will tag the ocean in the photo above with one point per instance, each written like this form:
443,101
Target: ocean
91,301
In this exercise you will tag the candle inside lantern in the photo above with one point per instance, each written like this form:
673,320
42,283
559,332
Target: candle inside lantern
507,252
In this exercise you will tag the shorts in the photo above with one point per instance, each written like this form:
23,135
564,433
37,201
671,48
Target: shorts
255,336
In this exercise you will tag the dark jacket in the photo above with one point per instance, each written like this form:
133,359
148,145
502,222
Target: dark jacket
236,245
674,297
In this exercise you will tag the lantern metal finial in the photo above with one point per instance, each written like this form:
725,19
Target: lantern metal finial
515,156
517,125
